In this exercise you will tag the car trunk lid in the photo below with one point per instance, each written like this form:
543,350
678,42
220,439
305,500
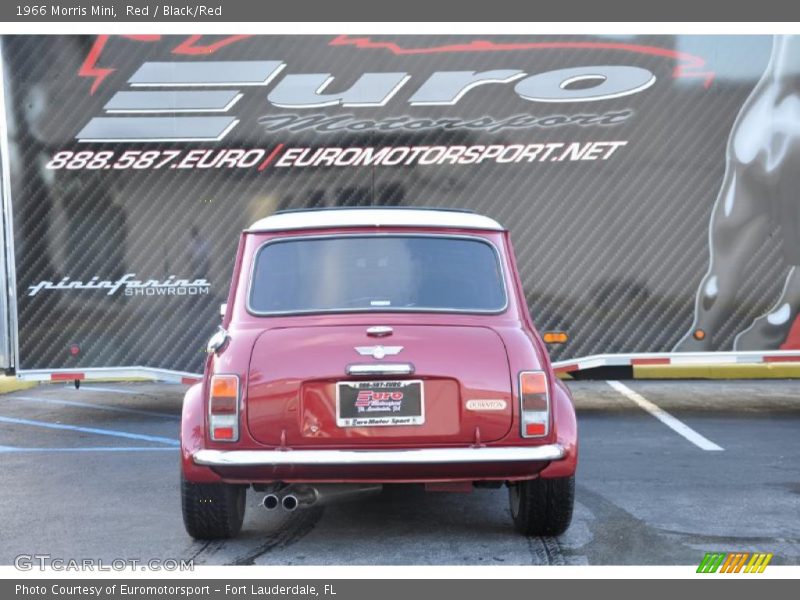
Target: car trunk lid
300,393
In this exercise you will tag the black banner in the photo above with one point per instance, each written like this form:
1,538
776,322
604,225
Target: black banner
637,175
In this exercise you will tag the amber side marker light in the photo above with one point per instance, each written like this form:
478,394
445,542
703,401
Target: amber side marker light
555,337
223,408
535,403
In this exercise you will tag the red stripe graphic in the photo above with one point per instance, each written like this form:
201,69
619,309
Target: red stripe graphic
689,65
771,359
650,361
270,157
66,376
189,46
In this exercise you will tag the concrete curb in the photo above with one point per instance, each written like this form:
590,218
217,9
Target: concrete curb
12,384
782,370
779,370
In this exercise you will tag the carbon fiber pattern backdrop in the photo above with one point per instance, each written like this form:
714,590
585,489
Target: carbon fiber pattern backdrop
610,251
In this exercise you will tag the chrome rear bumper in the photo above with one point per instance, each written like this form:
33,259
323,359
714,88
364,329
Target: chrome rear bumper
424,456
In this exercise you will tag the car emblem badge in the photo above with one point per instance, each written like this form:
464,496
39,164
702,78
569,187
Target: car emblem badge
378,352
486,404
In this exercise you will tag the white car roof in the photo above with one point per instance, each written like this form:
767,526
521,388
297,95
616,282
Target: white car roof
374,217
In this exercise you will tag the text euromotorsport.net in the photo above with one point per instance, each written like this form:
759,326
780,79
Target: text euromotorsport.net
441,155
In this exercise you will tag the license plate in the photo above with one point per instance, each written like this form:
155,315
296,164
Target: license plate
379,403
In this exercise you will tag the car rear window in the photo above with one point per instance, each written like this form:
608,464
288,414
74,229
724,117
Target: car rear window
377,273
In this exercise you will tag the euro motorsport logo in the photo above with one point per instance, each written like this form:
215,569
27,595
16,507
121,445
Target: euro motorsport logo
734,562
133,115
302,91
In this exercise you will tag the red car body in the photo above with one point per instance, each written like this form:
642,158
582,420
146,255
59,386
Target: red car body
289,365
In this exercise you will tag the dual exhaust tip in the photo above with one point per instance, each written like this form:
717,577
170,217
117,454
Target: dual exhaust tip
303,495
289,502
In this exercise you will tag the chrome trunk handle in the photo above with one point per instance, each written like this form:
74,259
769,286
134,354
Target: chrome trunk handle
379,331
380,369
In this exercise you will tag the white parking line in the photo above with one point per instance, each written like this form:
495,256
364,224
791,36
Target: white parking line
133,411
667,419
94,388
17,450
109,432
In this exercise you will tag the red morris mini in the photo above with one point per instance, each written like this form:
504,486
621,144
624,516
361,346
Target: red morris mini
362,347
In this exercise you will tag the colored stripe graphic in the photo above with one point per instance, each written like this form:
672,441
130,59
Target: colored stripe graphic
758,563
734,562
711,562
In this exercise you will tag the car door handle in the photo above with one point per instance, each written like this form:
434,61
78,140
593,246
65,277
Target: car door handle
380,369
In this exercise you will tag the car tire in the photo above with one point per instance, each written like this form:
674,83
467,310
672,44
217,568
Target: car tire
542,506
212,511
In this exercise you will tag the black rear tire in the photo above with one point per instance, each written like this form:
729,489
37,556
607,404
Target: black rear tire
542,506
212,511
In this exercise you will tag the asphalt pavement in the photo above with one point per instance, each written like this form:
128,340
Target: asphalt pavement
93,473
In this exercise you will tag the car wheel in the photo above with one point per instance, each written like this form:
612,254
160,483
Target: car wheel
212,510
542,506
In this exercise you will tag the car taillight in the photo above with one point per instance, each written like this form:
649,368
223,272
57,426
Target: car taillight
223,408
534,403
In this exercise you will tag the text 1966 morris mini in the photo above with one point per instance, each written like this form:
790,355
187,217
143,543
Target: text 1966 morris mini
362,347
